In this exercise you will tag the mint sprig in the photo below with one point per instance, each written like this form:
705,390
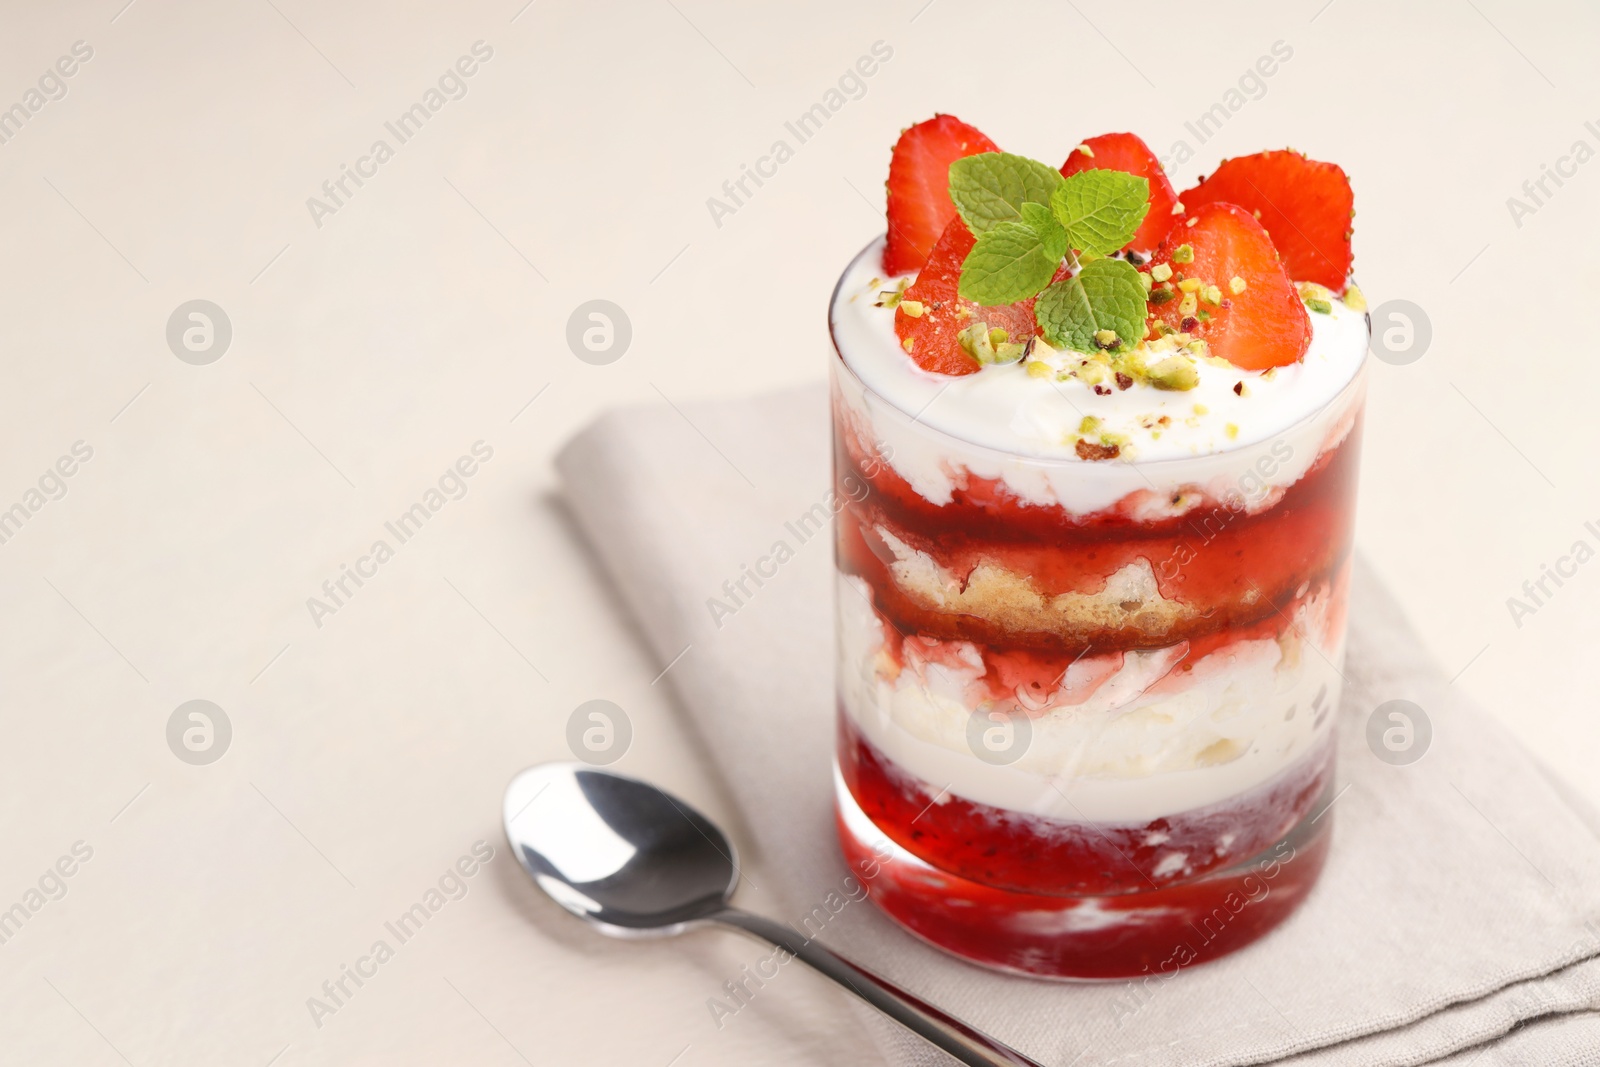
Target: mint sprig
1100,209
1104,295
1026,219
991,187
1009,262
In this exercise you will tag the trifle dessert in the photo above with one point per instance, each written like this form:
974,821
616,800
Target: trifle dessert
1096,446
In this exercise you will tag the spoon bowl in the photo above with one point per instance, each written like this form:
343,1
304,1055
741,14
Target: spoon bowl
622,854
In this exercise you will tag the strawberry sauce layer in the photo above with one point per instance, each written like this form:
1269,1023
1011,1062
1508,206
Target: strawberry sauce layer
1149,937
1223,566
1032,854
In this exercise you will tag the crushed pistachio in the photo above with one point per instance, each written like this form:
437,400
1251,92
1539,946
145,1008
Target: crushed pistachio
1232,429
1355,299
1089,425
1237,285
1188,305
989,346
1177,208
1184,253
1174,373
1211,295
1201,409
889,298
1038,368
1320,306
1092,372
913,308
1189,285
1192,221
1105,338
1086,150
1146,281
908,344
1160,296
1161,271
974,341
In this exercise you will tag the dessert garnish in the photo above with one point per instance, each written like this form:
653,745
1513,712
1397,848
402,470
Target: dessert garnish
1099,270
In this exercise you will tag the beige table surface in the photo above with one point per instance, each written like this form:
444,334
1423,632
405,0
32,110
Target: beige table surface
375,342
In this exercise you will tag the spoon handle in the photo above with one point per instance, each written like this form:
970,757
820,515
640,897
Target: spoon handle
969,1045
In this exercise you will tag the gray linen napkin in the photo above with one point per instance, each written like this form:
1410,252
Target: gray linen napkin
1458,918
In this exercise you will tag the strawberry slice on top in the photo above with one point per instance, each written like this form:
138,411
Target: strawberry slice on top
1129,154
1306,206
931,315
1217,276
919,201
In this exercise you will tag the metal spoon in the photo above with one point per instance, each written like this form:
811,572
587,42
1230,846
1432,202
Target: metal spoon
637,862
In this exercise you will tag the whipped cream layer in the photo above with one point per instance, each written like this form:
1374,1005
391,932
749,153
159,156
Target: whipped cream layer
1004,424
1134,741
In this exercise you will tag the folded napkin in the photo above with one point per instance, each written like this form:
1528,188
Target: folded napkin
1458,918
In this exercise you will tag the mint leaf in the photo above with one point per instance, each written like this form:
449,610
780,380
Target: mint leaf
1008,263
991,187
1100,209
1104,295
1042,222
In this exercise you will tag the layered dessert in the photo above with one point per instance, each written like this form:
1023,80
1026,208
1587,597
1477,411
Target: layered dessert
1091,612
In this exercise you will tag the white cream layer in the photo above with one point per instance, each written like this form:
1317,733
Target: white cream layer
1001,423
1132,752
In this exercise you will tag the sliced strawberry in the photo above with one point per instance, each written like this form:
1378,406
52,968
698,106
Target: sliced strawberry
933,335
1306,206
919,187
1127,153
1262,325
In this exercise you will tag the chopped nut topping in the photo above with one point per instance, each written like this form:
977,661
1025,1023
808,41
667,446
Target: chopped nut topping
908,344
1211,294
1091,452
1201,409
1105,338
1086,150
1174,373
1355,299
1161,295
1161,272
1188,305
1320,306
1089,425
1232,430
1038,368
1184,253
1189,285
1236,285
913,308
1177,208
974,341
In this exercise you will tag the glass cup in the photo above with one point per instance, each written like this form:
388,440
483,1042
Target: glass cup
1084,732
